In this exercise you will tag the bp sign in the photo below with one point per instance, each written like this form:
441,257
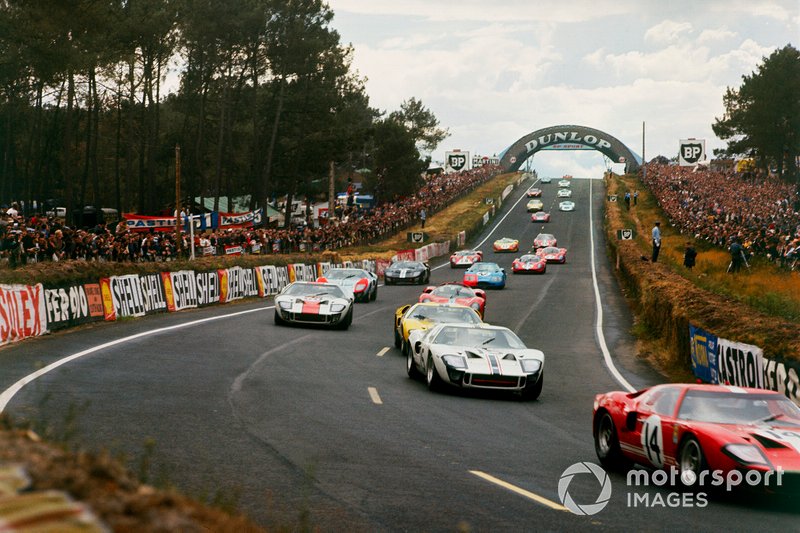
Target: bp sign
416,237
625,234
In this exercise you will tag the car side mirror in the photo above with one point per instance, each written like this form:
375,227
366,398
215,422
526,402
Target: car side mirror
630,420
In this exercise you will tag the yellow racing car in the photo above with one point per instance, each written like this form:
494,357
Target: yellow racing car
425,315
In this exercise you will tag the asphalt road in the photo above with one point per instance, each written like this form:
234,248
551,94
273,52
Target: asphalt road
323,428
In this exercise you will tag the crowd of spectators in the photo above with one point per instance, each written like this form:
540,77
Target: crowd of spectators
46,238
760,211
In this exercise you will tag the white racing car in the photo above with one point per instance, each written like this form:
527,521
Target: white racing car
475,356
363,284
304,302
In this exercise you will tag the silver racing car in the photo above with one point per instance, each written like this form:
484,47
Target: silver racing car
305,302
475,356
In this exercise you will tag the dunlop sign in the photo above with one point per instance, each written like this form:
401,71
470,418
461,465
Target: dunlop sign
561,137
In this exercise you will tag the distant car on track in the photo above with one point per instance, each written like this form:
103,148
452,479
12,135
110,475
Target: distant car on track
534,205
362,284
566,205
506,245
543,240
529,264
475,356
304,302
699,429
456,293
552,254
426,314
546,180
412,272
485,275
565,183
564,193
534,192
540,216
465,258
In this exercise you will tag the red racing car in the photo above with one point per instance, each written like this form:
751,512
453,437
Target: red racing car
543,240
552,254
540,216
465,258
534,192
456,293
706,432
529,264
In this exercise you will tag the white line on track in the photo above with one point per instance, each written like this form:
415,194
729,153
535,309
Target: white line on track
373,393
383,351
9,393
601,339
522,492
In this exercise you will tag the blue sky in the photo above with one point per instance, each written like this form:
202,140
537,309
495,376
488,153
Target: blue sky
493,73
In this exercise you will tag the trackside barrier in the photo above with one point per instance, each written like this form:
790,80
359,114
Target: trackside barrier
717,360
34,310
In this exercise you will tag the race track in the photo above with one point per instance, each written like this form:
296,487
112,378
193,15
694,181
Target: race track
325,428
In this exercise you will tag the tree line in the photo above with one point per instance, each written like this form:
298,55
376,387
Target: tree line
260,95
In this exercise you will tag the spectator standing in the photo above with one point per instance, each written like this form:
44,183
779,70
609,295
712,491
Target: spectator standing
656,240
689,256
635,197
423,216
737,256
627,200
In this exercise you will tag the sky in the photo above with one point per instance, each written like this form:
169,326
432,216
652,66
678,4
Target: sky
494,73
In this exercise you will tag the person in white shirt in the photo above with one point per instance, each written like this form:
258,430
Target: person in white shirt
656,240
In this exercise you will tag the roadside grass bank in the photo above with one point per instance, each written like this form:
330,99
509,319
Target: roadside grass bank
760,306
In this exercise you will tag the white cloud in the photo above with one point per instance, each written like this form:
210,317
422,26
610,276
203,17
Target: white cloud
712,35
667,31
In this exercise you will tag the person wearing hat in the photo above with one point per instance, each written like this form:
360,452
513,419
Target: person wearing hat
656,240
689,256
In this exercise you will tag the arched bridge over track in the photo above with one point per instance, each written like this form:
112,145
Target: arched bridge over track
569,137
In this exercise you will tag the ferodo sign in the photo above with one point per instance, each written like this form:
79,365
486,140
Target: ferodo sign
23,312
74,305
561,137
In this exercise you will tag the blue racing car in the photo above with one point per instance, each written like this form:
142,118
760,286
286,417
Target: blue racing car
485,275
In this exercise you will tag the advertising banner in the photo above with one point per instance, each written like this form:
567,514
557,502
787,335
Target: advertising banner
208,289
73,305
456,161
691,152
741,365
381,265
233,250
301,272
155,300
146,223
237,283
240,220
783,376
23,312
703,348
271,279
181,289
126,296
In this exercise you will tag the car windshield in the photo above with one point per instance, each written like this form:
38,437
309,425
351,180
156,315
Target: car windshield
544,236
345,273
484,267
454,291
313,289
442,314
405,264
738,408
479,338
529,257
466,252
550,250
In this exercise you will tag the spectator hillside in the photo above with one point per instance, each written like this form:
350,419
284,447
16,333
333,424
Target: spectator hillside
763,213
38,238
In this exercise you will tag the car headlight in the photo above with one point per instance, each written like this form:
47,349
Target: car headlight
337,308
455,361
746,454
530,365
476,306
285,305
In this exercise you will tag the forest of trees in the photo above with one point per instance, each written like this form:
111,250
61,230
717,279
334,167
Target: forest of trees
265,99
762,117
